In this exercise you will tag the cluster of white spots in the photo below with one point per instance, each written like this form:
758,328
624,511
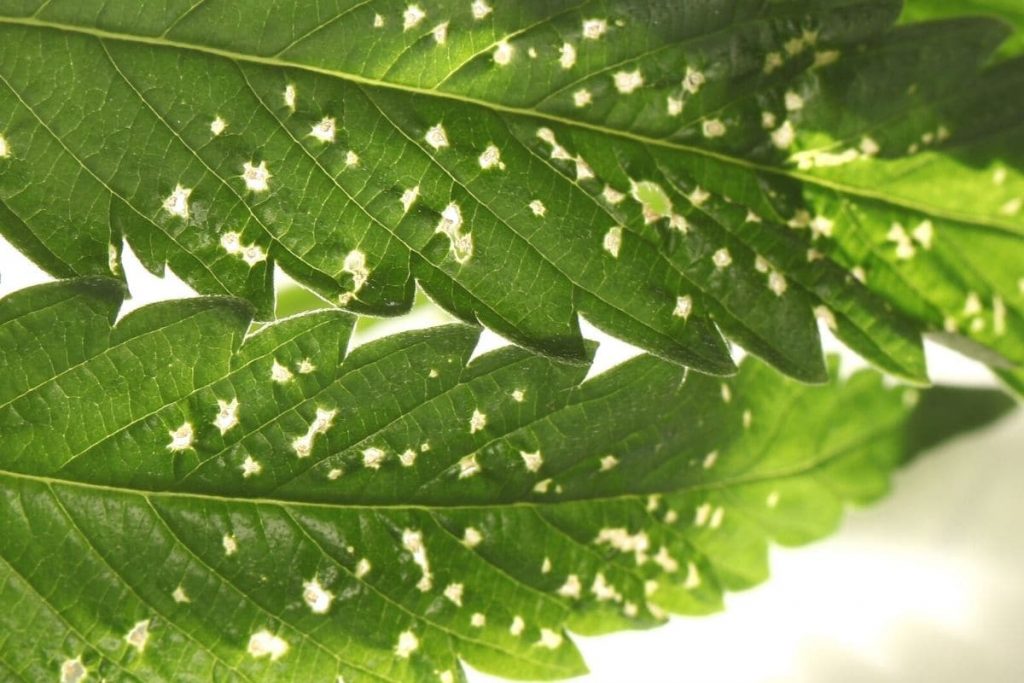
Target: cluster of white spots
472,537
572,588
582,97
713,128
722,258
303,445
603,590
923,234
550,639
280,373
478,620
503,53
266,644
412,17
138,635
454,591
692,576
608,462
772,62
628,81
545,566
412,541
825,315
407,458
612,241
793,101
250,467
784,136
256,177
378,21
436,136
180,596
450,225
363,568
612,196
227,415
663,559
477,421
620,539
480,9
518,626
218,126
567,55
73,671
176,203
373,457
594,28
181,438
407,644
532,461
693,80
440,33
469,467
491,158
316,597
409,198
538,208
230,544
252,254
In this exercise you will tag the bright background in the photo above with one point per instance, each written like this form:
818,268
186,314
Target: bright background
925,587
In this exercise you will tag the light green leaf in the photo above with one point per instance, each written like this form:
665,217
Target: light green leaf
642,164
181,501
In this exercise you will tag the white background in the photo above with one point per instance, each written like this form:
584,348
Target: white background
926,586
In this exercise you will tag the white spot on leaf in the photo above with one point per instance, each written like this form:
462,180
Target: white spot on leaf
227,416
73,671
612,242
436,136
453,592
582,97
324,131
472,537
518,626
180,596
567,55
469,467
491,158
477,422
181,438
373,457
594,28
256,177
218,125
230,544
138,636
684,307
538,208
176,203
316,597
266,644
480,9
303,445
722,258
533,461
409,198
251,467
628,81
290,96
503,53
412,16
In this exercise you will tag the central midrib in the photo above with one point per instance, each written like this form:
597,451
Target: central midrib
746,164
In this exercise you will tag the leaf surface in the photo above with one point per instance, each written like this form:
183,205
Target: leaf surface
181,501
638,163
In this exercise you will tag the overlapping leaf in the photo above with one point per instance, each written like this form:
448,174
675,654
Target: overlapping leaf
668,169
182,502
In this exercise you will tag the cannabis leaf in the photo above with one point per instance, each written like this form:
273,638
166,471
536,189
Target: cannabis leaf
669,170
179,499
1009,11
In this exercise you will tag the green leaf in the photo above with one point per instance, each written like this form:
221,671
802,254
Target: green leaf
468,147
1009,11
182,500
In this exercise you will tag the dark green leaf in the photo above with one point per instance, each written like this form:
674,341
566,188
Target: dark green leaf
181,501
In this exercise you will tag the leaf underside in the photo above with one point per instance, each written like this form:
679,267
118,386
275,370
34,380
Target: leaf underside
181,501
673,171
